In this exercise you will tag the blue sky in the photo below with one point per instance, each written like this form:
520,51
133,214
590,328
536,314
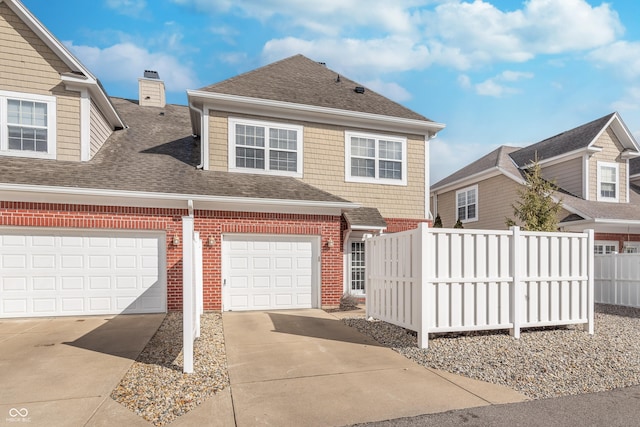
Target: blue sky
494,71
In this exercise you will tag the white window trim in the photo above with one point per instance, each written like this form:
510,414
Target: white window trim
606,243
347,159
233,121
51,124
599,197
633,244
465,190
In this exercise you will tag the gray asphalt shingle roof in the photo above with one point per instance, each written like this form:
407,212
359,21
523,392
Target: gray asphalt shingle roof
300,80
565,142
364,217
497,158
155,154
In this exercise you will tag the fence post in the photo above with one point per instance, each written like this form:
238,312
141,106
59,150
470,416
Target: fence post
589,327
516,289
423,272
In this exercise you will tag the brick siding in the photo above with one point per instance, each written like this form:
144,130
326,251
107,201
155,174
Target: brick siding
208,223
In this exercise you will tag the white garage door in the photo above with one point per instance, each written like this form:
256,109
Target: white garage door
270,272
63,273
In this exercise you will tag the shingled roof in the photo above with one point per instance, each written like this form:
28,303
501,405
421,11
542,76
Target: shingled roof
157,153
562,143
300,80
498,158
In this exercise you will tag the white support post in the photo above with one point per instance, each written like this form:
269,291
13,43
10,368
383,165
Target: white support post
516,289
423,273
590,326
368,269
187,293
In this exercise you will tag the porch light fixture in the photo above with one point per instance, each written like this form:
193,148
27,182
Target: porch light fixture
176,240
330,243
211,241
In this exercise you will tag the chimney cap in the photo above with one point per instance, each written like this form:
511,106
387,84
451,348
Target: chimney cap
150,74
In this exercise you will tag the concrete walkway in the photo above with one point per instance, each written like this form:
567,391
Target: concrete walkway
305,367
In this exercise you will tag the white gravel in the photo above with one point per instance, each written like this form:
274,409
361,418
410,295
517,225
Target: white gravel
156,388
543,363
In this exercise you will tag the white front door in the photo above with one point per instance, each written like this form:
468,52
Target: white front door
270,272
47,272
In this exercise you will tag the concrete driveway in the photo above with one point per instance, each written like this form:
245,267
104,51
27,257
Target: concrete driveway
61,371
305,367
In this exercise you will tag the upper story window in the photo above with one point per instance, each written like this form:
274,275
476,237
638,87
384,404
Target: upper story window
27,125
608,188
467,204
264,147
376,159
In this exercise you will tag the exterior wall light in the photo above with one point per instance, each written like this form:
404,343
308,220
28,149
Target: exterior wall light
330,243
211,241
176,240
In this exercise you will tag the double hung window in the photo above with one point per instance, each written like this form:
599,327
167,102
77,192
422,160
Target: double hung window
375,159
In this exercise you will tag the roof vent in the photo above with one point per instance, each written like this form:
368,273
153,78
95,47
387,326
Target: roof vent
324,64
150,74
359,89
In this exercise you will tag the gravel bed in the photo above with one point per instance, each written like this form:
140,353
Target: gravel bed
543,363
155,387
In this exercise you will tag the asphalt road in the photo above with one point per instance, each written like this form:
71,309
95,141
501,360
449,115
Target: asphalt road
620,407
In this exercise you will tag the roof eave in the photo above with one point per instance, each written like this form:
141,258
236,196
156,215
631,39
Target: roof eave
288,110
98,95
468,180
74,195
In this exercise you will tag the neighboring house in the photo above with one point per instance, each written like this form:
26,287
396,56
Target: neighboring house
284,170
595,167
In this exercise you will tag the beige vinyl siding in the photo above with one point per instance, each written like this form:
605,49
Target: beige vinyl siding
494,199
100,129
567,175
151,93
28,65
324,166
611,153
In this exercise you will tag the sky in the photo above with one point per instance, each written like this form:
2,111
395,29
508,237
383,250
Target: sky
495,72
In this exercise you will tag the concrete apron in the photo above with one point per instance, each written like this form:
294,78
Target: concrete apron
61,371
305,367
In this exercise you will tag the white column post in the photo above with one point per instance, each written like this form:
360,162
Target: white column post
187,293
516,289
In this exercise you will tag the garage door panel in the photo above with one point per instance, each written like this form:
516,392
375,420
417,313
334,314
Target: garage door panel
49,273
268,272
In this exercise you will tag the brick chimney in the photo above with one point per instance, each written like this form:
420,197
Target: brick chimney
151,90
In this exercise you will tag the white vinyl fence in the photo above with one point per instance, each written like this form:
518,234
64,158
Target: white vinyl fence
617,279
433,280
192,302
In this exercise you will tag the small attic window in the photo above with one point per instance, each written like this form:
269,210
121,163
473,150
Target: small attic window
359,89
150,74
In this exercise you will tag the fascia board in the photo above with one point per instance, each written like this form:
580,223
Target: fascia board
47,194
304,112
98,95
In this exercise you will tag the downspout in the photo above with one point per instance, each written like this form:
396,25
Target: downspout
192,107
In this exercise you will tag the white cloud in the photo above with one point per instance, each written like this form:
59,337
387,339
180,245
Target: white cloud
623,57
389,89
327,17
464,81
125,62
480,33
353,56
495,87
127,7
